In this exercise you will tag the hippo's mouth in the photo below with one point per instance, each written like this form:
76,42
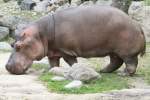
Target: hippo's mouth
18,70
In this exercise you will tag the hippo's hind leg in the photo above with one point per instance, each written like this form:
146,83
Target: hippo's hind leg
131,65
115,63
70,59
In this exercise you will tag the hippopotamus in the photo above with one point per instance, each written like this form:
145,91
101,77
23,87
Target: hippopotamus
83,31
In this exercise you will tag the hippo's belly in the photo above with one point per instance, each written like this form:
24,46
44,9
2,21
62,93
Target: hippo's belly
86,54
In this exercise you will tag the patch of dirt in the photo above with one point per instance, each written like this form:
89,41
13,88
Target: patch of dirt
27,87
138,82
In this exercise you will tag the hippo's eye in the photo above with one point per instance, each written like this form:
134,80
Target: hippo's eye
18,45
12,44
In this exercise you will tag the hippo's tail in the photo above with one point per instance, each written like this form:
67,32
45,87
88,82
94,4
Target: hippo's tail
144,48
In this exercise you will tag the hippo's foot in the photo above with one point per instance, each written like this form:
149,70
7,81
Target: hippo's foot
115,63
124,74
131,65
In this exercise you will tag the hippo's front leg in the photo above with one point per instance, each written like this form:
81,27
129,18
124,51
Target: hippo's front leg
54,61
53,58
70,59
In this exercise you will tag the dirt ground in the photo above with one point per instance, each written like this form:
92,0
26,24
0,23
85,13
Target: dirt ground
27,87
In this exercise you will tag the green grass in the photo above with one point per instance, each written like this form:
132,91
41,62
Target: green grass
147,2
7,39
108,82
144,67
39,66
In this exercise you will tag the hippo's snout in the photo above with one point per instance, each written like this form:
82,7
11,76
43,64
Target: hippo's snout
18,63
15,70
8,66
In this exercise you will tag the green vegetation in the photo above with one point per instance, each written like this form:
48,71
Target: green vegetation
107,83
144,68
39,66
147,2
8,39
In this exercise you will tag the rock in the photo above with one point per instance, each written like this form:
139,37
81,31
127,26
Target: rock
4,31
122,4
136,6
81,72
75,2
5,46
78,71
60,2
6,0
42,6
58,78
74,84
42,61
104,2
49,5
60,71
87,3
63,7
141,13
1,15
12,21
19,2
27,5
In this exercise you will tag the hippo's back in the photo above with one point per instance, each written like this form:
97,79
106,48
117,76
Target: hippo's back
96,31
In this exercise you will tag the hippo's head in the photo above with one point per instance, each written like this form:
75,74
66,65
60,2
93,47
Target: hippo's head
27,48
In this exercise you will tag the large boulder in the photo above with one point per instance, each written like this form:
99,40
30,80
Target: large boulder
12,22
78,71
140,12
59,71
4,31
82,72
